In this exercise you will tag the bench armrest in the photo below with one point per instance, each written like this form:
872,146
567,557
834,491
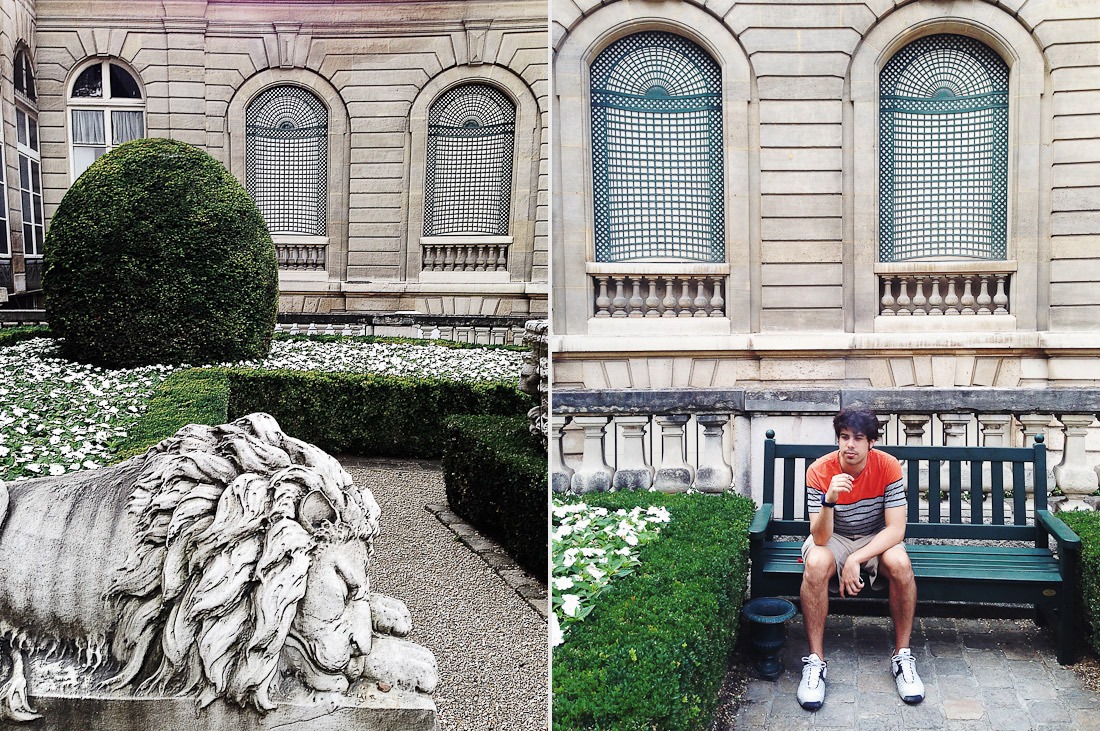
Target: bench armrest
1067,540
758,531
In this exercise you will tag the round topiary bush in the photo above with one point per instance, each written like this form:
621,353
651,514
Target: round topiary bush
157,254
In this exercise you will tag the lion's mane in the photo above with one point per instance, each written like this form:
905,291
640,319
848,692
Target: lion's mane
227,521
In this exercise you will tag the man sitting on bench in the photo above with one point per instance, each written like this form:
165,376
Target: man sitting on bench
857,507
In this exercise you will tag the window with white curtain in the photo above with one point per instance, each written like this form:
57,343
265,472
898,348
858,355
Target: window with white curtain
30,181
106,109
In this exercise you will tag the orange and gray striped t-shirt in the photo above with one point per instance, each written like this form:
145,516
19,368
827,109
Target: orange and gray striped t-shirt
860,512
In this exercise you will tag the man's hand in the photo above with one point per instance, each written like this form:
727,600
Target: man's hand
839,485
850,580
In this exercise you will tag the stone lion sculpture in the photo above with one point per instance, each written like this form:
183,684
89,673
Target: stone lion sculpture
222,560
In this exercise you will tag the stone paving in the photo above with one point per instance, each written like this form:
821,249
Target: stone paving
979,674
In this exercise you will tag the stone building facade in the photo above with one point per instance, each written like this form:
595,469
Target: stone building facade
398,150
865,195
804,292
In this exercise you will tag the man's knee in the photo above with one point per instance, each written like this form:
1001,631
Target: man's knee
896,565
818,565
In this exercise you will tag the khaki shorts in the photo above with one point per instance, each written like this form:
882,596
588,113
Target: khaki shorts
842,548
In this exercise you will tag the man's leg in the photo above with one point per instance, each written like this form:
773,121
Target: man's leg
818,567
894,563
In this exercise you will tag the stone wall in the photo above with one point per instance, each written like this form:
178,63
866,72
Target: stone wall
803,302
377,67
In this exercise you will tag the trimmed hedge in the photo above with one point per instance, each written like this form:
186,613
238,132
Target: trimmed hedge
195,396
368,415
13,335
157,254
1086,524
654,651
496,475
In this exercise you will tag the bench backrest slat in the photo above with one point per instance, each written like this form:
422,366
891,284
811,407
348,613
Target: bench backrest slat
986,485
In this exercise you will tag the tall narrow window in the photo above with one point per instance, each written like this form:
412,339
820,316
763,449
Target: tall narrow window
24,76
30,181
286,159
106,108
468,179
943,177
657,151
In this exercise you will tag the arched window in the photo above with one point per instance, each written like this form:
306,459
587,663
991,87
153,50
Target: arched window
657,151
30,164
286,159
106,109
468,178
943,178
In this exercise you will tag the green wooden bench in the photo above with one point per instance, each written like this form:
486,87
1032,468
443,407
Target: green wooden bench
1000,573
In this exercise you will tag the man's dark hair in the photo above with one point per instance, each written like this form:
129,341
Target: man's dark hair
857,421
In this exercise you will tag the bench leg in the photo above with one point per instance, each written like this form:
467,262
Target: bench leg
1066,646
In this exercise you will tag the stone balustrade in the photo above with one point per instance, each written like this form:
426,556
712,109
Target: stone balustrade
659,295
706,439
464,257
301,256
945,289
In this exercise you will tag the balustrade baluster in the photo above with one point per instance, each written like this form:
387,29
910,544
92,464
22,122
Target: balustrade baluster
652,302
984,300
717,304
887,296
502,258
602,300
935,301
952,299
618,304
914,425
668,304
685,299
449,259
714,473
701,300
594,474
636,301
479,265
1000,299
967,300
919,300
1032,425
674,474
633,472
903,297
1073,474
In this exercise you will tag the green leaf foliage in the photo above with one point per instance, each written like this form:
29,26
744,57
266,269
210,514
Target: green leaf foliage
194,396
12,335
495,474
1086,524
157,254
367,415
653,653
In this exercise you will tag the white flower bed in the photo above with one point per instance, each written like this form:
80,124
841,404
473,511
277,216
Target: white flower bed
57,416
590,547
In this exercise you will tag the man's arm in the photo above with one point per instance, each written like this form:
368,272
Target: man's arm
884,540
821,522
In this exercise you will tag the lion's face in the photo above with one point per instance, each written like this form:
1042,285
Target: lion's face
333,624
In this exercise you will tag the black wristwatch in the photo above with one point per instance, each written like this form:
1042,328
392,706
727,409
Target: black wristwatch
826,504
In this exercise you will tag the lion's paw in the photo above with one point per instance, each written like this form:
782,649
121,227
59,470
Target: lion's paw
389,616
400,663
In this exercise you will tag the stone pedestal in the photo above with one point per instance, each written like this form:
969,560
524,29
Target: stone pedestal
365,709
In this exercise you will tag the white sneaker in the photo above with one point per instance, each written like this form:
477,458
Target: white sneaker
904,667
811,691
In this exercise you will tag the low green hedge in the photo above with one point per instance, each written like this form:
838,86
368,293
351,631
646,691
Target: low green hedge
1086,524
195,396
365,414
19,333
496,480
653,653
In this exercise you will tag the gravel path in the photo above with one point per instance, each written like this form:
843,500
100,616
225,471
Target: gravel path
490,644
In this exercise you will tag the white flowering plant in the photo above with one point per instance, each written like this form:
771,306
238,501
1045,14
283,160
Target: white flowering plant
590,547
58,416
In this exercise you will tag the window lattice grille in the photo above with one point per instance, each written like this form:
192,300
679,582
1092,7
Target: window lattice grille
657,164
286,153
468,179
943,179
